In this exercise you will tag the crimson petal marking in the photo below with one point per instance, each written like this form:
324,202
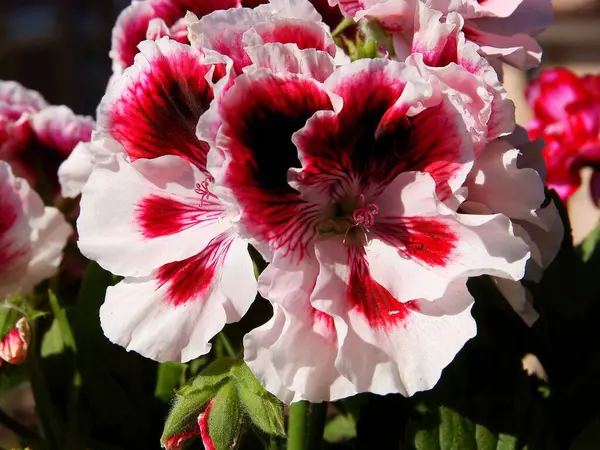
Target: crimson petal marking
172,10
346,142
373,140
439,145
158,110
425,239
260,114
163,216
191,278
296,31
367,297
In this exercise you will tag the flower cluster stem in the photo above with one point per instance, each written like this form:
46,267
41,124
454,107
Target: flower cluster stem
306,425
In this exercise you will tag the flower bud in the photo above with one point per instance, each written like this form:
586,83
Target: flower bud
13,347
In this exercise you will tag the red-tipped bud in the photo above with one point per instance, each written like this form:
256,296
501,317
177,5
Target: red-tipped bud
13,347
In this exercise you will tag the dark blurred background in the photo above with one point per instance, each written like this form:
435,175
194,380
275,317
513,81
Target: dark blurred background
59,47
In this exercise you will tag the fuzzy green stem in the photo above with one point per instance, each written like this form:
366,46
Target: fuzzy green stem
297,424
306,425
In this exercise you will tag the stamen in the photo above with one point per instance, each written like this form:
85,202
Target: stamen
365,215
203,189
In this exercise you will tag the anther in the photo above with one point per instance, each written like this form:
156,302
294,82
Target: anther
365,215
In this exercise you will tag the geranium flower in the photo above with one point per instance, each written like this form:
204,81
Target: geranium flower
149,211
502,29
343,177
32,236
152,19
31,130
245,36
567,116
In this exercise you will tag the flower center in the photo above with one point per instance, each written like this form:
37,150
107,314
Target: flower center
351,218
203,190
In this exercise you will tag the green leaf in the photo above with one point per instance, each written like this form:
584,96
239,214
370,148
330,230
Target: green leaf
63,322
452,431
225,418
245,379
52,342
265,410
8,318
210,378
170,376
340,428
589,246
184,413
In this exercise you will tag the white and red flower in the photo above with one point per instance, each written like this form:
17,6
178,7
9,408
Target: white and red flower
338,184
502,29
152,19
241,33
149,211
32,236
32,131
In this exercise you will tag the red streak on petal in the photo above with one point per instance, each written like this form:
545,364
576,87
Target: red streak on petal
428,240
203,424
304,34
258,123
191,279
323,324
158,112
163,216
369,298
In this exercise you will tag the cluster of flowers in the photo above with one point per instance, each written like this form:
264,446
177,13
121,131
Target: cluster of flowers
567,117
34,138
374,188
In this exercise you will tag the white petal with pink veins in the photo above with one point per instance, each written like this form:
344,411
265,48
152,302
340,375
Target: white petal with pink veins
172,314
32,236
385,345
59,128
418,246
153,109
310,374
137,216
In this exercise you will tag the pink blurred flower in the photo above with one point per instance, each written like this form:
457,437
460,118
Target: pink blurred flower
567,116
32,236
36,137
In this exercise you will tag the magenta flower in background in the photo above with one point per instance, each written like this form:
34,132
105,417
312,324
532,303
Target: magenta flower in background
566,111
